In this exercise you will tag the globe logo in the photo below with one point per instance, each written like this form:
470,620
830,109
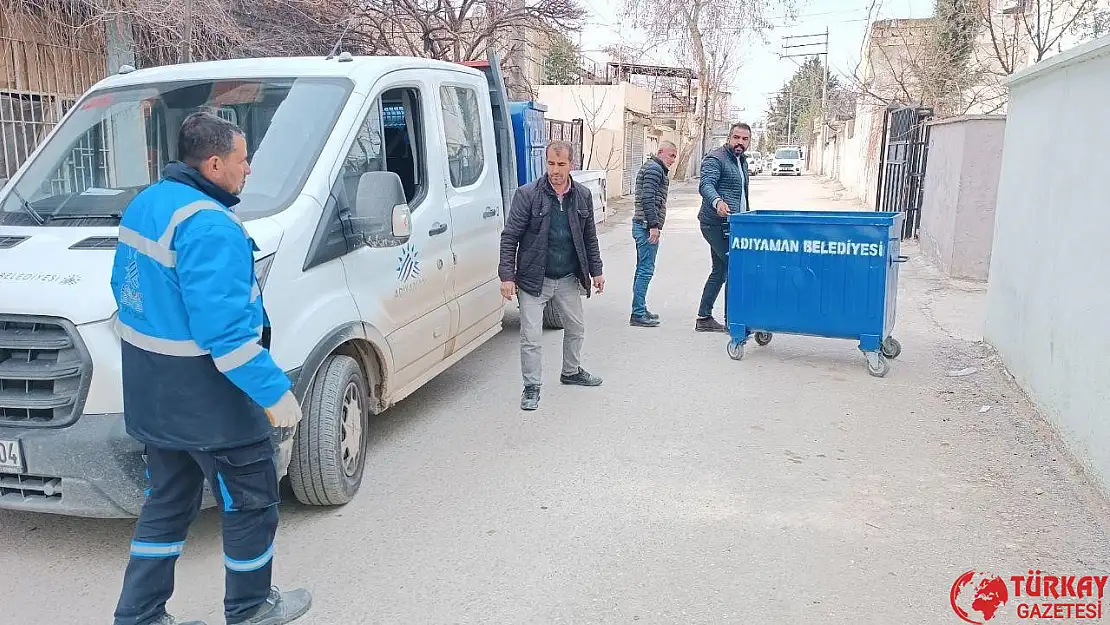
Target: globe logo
978,595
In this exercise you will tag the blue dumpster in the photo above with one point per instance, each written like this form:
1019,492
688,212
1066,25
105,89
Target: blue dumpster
818,273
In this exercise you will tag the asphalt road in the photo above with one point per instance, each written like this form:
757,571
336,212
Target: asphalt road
787,488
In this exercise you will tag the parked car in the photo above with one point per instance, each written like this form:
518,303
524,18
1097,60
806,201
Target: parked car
376,202
787,162
755,162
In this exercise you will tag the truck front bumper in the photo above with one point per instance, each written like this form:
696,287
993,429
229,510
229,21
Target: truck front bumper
90,469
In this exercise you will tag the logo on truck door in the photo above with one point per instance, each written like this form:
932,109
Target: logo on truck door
408,270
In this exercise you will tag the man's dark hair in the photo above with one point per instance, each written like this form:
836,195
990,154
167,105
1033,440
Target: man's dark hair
203,135
560,147
739,125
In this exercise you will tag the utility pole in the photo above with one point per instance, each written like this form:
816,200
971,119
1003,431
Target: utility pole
790,114
813,45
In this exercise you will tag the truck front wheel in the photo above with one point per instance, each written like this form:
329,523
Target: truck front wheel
329,451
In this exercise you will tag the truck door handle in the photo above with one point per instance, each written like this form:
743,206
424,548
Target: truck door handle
437,228
490,212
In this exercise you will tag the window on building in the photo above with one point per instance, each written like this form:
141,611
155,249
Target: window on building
462,123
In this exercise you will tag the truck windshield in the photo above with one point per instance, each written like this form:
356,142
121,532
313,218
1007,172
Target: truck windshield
787,154
117,142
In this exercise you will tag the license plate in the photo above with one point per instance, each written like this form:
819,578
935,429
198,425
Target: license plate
11,457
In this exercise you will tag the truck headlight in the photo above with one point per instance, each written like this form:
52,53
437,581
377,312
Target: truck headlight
262,269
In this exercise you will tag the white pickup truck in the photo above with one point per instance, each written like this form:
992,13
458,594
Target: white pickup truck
377,197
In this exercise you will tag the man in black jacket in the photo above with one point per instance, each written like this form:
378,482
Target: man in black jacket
549,252
652,184
724,190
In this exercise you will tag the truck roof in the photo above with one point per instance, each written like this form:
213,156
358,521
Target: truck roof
359,68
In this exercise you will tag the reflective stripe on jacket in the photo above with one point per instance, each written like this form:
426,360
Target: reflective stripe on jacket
191,318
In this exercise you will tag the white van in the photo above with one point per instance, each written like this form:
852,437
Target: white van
787,161
377,197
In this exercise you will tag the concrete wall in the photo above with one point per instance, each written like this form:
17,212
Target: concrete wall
961,184
855,162
1047,298
602,109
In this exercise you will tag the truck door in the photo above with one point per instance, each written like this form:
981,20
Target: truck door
473,189
403,290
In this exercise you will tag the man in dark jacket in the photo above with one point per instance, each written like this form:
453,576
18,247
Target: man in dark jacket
724,190
549,252
652,184
200,389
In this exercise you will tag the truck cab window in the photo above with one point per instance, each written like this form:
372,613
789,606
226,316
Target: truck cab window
462,125
117,142
391,138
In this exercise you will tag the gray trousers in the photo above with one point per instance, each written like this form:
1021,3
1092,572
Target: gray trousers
565,294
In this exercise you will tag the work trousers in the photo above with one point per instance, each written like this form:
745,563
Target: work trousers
565,294
245,484
716,235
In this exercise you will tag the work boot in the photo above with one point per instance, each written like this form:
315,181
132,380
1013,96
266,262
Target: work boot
280,608
530,398
582,378
652,315
166,619
643,322
708,324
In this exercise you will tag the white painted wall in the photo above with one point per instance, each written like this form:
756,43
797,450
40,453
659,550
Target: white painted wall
1048,296
960,193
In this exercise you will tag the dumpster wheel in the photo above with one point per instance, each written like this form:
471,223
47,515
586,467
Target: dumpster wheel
735,350
877,364
891,347
763,338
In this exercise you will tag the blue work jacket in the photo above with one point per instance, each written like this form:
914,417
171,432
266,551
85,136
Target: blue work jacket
191,320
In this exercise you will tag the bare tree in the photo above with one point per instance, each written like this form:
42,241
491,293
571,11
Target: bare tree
698,28
455,30
596,115
1026,31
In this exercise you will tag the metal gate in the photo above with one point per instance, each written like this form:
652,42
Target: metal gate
633,154
571,132
902,163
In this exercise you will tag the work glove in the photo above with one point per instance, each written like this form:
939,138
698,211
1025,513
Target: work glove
286,412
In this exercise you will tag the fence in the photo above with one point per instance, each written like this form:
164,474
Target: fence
902,163
571,132
40,78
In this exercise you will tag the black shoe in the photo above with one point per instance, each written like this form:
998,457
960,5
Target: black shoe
652,315
643,322
709,324
166,619
281,608
530,398
582,378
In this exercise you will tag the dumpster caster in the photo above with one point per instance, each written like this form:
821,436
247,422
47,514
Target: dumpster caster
891,347
877,365
763,338
735,350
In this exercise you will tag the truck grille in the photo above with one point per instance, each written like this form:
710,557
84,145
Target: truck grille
22,487
45,371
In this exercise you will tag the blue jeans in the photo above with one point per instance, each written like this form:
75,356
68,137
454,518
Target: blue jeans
645,268
717,237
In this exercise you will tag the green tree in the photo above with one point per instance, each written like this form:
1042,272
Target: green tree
797,104
563,62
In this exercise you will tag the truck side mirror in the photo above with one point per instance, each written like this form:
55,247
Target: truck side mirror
381,212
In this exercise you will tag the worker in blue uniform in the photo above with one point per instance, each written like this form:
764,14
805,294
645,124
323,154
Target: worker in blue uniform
200,390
